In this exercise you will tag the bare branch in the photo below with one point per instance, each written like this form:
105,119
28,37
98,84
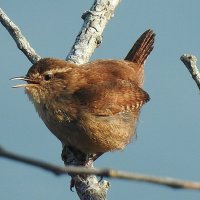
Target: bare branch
90,35
57,170
20,40
190,62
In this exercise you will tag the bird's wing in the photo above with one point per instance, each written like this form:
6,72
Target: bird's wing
109,98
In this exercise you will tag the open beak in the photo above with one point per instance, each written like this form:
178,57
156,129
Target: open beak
23,78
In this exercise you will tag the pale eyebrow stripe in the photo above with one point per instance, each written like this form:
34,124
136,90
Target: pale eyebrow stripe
58,70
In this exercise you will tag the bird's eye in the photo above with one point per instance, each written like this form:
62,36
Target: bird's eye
48,77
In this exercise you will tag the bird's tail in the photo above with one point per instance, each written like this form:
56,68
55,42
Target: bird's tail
142,48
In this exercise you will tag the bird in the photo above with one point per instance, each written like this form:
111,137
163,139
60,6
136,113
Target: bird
93,107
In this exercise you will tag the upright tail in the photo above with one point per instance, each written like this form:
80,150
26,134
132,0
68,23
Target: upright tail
142,48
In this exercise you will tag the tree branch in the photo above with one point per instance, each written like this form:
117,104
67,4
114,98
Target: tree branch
20,40
90,35
111,173
190,62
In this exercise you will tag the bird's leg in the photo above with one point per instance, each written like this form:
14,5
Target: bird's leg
73,156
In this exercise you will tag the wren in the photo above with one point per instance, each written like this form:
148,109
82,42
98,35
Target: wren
93,107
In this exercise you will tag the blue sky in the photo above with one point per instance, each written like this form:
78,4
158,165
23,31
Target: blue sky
168,131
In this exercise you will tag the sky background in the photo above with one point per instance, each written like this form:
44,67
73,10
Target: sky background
168,142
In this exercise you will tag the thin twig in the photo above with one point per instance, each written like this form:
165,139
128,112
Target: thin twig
190,62
111,173
20,40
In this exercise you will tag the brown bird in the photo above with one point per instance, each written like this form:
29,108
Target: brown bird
93,107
